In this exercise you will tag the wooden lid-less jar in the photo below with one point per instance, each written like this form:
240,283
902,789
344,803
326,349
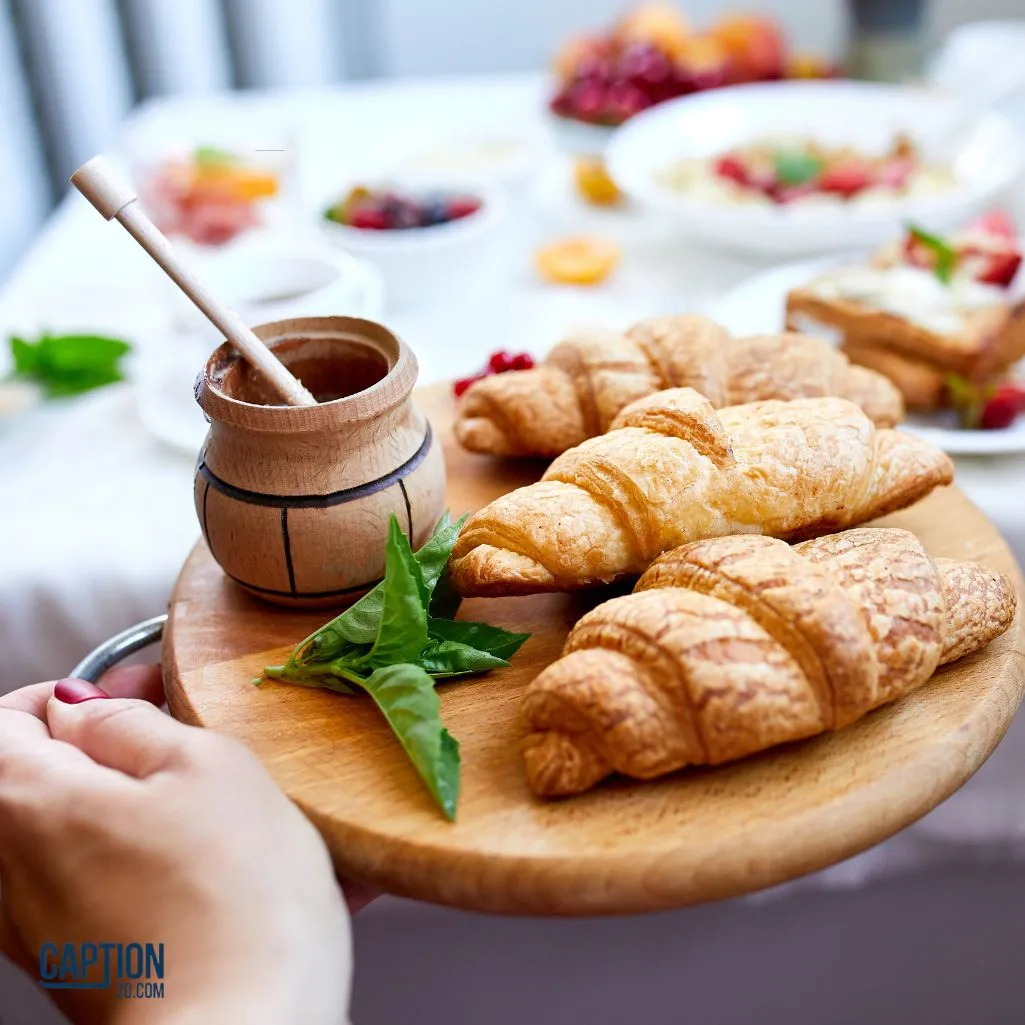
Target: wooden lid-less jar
294,502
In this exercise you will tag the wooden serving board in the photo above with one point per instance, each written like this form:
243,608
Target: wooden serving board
694,836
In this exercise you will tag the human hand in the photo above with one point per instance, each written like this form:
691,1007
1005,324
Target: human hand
120,825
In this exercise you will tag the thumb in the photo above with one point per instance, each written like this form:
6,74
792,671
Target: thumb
131,736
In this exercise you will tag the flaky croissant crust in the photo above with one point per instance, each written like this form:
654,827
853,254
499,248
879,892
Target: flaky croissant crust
735,644
673,470
586,380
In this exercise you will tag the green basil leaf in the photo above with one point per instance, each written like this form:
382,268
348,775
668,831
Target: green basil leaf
451,658
24,354
402,633
794,167
358,624
434,555
445,600
406,696
493,639
945,254
64,354
324,679
68,385
67,365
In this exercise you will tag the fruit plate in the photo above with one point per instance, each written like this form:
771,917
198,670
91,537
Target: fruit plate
984,158
759,304
625,847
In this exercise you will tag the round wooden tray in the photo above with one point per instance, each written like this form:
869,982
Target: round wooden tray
624,847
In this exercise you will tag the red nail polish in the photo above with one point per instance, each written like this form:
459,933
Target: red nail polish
74,692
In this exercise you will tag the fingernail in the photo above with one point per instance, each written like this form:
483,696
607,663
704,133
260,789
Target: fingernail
74,692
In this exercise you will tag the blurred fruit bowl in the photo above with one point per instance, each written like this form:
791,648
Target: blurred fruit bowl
983,159
653,55
430,240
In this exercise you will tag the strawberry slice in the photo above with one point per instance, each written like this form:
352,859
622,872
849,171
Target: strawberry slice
989,267
1003,407
845,179
989,249
995,223
732,168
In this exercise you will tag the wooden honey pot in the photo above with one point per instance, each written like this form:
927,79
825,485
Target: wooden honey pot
294,501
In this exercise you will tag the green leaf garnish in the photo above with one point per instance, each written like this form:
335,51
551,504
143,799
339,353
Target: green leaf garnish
944,253
66,365
358,624
794,167
406,696
393,644
492,639
211,156
402,634
450,658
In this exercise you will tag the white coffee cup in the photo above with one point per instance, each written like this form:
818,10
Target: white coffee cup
272,280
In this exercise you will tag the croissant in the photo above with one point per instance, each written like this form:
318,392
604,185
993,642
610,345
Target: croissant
735,644
673,470
587,380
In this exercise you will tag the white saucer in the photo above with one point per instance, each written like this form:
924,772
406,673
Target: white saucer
758,305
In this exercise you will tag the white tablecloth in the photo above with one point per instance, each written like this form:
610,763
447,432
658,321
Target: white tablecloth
97,515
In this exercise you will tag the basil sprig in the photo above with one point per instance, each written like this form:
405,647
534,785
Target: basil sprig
66,365
944,254
394,643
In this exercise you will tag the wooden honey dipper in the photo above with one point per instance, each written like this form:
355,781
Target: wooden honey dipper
116,201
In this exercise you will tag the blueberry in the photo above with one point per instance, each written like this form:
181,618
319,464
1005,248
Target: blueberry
435,211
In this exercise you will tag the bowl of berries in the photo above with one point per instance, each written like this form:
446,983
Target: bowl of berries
801,167
427,240
654,54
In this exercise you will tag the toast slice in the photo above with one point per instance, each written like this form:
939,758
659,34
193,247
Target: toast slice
967,328
921,383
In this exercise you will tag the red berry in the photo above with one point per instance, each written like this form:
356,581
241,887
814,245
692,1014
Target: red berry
989,257
587,100
1007,402
461,385
646,66
999,268
369,218
500,362
995,223
462,206
562,103
521,361
595,67
624,99
732,168
845,179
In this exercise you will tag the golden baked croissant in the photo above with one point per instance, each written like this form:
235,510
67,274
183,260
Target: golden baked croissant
587,380
674,470
735,644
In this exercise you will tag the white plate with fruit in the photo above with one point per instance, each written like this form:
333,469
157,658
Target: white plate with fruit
982,417
802,167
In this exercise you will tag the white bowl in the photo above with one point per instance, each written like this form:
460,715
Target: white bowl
422,266
986,157
270,278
